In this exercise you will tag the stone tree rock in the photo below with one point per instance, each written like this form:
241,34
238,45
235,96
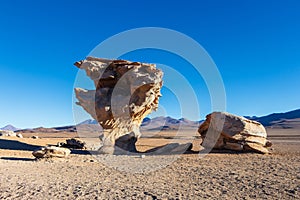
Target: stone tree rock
126,92
238,133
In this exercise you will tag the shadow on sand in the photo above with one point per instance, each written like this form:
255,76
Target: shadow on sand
224,151
83,152
16,145
162,150
17,159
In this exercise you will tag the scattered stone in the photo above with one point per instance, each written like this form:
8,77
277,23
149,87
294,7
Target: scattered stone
51,151
268,143
126,92
35,137
227,131
7,133
60,144
73,143
19,135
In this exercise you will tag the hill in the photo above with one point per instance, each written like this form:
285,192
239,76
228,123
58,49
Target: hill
285,120
9,128
168,123
289,119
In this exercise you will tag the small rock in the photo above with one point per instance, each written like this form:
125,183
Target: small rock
74,144
19,135
51,151
143,156
60,144
35,137
268,143
7,133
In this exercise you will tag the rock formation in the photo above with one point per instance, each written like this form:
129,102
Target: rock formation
73,143
126,92
50,152
238,133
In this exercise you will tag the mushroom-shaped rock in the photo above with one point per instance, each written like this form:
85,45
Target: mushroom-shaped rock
126,92
223,130
51,151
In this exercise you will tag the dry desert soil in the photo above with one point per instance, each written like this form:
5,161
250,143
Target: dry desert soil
217,175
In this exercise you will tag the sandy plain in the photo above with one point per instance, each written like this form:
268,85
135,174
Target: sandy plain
226,175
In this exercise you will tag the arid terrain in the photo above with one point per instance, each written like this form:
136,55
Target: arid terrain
225,175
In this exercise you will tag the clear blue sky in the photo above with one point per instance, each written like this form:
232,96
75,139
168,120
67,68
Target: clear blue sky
255,44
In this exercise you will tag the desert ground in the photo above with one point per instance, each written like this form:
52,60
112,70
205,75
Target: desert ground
226,175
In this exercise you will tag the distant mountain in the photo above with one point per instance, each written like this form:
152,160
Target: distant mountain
89,121
168,123
157,123
289,119
48,130
9,128
276,120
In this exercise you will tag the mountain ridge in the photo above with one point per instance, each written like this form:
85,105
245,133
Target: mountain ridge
9,127
290,119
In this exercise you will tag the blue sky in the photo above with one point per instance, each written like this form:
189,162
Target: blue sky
255,45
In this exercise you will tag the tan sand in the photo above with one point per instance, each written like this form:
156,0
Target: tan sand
191,176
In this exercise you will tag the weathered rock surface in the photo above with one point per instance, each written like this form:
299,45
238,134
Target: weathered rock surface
126,92
238,133
50,152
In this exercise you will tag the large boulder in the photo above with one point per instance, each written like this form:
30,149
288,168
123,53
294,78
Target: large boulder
50,152
223,130
126,92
